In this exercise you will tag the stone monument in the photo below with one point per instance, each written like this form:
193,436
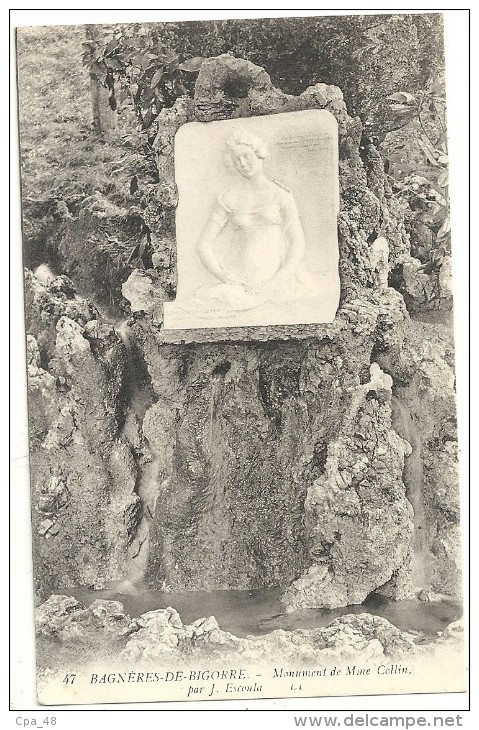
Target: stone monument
277,464
256,223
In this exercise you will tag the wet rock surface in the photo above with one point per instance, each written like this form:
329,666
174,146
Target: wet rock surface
357,509
422,366
244,429
83,473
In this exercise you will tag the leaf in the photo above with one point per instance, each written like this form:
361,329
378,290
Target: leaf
179,89
443,159
135,42
145,62
445,228
147,96
129,55
173,66
156,77
192,65
443,179
114,63
148,119
133,185
171,57
111,46
428,152
427,142
438,254
402,96
133,254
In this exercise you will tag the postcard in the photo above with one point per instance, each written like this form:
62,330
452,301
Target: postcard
240,353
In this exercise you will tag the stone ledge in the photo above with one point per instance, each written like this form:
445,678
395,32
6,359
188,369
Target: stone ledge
249,334
358,317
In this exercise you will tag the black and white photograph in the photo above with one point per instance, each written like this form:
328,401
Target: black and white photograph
238,259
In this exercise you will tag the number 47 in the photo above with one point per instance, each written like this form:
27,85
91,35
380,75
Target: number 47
69,678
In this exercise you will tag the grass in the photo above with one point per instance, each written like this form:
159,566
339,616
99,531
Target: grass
67,169
60,155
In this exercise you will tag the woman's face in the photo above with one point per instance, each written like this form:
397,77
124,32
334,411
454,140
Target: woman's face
246,160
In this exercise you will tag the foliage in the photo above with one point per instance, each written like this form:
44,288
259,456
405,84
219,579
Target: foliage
137,64
367,56
423,116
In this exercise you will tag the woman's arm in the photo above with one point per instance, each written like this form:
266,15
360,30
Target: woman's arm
294,235
205,251
216,222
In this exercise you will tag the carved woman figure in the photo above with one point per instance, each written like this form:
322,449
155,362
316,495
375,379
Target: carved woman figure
263,262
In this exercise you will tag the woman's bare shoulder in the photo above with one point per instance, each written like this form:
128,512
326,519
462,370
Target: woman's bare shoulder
228,198
283,195
281,189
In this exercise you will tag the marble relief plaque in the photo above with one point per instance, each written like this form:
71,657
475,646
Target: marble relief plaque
256,222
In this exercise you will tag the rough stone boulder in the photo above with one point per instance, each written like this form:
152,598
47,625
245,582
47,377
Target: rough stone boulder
66,619
103,629
161,632
69,635
346,638
358,520
242,431
229,87
421,362
52,615
83,472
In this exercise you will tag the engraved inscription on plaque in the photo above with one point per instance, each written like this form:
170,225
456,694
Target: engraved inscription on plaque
256,222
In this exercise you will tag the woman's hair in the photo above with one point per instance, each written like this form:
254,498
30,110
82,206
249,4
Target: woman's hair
249,140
